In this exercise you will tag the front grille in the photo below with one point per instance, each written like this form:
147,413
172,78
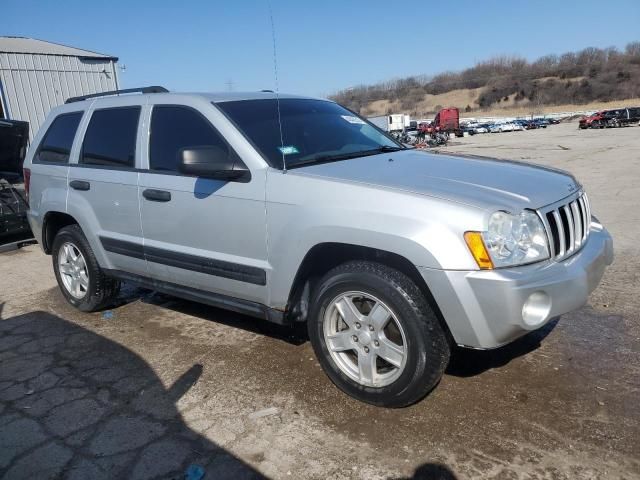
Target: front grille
567,224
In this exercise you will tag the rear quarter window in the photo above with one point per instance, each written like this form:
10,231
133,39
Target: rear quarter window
57,142
111,137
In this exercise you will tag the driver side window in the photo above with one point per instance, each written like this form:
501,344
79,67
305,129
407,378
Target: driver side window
174,128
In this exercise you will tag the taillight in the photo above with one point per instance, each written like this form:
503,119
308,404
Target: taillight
27,181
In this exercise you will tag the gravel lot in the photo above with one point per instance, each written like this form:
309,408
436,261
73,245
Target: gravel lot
158,384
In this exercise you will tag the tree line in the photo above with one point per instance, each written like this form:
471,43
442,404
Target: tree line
592,74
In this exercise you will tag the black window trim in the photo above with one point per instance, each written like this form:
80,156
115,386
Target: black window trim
178,173
241,132
36,157
135,146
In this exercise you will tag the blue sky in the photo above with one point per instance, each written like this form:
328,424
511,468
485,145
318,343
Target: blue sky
323,45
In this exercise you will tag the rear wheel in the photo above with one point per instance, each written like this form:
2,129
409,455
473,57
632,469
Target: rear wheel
376,336
80,278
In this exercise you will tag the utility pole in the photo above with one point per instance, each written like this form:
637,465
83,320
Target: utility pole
229,83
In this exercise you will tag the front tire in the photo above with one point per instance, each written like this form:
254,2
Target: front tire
376,336
80,278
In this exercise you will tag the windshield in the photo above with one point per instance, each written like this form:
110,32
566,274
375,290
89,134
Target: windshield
313,131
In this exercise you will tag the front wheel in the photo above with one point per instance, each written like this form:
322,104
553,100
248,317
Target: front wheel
376,336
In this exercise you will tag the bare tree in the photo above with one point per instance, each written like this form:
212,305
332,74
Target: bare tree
573,77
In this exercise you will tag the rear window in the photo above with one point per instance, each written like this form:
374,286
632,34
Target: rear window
57,142
111,137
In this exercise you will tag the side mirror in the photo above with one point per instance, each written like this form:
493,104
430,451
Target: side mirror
213,162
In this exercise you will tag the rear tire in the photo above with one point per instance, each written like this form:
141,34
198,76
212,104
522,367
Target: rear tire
80,278
391,350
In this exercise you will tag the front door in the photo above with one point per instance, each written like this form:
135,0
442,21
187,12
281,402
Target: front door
200,233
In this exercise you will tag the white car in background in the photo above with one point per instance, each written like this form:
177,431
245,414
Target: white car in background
480,128
501,127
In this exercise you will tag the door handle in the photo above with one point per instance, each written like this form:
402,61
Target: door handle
156,195
80,185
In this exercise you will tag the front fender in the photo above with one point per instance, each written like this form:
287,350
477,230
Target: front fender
428,232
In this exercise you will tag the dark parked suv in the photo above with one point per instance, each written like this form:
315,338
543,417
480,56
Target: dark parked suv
14,226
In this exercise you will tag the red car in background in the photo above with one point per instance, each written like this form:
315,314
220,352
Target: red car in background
588,122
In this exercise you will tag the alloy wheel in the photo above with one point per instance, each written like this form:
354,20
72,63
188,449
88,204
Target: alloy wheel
73,270
365,339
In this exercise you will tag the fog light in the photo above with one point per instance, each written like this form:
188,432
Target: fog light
536,309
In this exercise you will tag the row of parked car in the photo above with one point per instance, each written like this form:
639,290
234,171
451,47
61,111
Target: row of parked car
512,126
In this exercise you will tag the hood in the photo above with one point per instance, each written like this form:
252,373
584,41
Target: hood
482,182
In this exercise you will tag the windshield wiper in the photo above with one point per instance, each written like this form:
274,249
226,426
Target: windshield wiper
345,156
388,148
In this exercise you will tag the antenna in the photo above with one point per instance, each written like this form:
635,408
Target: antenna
275,72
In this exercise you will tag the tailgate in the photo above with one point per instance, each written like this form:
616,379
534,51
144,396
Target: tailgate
14,136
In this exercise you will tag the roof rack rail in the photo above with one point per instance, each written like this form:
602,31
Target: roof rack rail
152,89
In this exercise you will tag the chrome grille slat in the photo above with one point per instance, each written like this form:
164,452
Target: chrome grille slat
547,228
578,224
556,215
585,222
567,224
567,212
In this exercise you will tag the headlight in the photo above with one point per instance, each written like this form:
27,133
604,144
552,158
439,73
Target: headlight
510,240
516,239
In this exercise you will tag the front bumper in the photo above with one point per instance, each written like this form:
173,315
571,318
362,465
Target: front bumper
488,308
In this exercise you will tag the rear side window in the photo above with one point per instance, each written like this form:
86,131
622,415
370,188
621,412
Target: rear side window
111,137
57,142
174,128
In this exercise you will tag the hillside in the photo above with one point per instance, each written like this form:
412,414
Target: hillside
572,81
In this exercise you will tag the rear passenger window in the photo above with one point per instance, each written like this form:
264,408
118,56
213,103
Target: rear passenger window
57,142
173,128
111,137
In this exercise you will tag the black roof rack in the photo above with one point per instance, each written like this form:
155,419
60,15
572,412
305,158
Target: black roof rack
152,89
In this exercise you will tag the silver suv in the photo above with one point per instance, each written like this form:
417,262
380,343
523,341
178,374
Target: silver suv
294,209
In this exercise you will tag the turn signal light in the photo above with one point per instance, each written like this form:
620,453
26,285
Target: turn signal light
478,250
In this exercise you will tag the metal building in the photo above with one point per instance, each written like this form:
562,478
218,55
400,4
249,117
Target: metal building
36,76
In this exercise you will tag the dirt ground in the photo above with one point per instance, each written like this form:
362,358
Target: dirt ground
157,384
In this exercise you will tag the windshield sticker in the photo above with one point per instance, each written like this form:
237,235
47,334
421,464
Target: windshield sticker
354,120
288,150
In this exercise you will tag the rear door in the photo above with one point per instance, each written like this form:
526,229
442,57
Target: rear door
103,193
201,233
